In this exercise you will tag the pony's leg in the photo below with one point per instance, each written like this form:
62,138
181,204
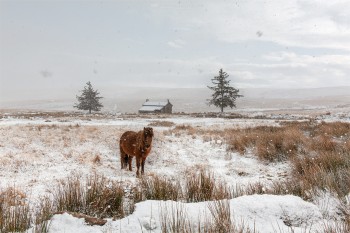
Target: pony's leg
126,160
137,165
123,158
143,165
130,163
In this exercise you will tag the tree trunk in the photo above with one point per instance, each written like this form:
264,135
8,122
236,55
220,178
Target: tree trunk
90,111
222,98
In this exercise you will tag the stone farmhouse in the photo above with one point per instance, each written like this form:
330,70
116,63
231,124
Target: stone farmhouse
156,107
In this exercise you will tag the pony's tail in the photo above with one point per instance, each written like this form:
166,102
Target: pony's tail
124,158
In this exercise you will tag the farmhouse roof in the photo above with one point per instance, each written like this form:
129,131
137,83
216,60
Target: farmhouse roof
150,108
155,103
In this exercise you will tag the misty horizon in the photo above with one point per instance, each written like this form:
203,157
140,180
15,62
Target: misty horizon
60,45
185,99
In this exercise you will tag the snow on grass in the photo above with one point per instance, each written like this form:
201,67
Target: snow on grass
267,213
36,154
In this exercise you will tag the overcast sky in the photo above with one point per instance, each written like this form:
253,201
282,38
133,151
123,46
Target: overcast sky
182,43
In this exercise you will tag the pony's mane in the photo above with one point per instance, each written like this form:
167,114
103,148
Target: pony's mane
139,140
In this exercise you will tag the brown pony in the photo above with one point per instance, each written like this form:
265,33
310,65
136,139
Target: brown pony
136,144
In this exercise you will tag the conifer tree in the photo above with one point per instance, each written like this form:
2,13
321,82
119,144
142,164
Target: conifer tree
224,95
89,99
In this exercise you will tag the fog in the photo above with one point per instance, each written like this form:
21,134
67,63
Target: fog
129,100
50,49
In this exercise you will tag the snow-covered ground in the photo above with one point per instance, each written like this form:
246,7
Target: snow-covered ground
268,213
35,154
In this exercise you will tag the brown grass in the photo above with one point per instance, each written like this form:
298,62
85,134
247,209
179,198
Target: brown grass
203,186
161,124
182,129
99,197
221,213
42,215
289,139
174,219
268,143
335,129
56,145
15,213
97,159
104,197
319,153
198,186
337,227
323,143
61,116
327,170
161,188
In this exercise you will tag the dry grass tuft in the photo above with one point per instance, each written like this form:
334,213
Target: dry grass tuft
160,188
97,159
221,213
181,129
334,129
104,198
319,153
42,216
15,213
161,124
326,170
69,196
323,143
99,197
336,227
203,186
175,219
268,143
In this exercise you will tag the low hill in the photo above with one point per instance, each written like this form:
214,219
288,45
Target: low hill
128,99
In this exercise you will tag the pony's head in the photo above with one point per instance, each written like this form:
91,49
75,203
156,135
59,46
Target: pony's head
147,136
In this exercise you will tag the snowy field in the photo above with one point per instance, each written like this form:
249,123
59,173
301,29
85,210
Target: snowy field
36,153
